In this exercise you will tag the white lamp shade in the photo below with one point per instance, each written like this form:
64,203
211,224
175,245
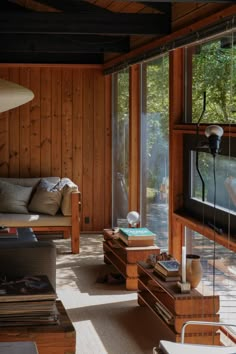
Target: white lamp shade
13,95
214,130
133,218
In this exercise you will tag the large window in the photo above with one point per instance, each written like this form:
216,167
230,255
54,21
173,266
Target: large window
210,184
155,148
210,97
211,69
219,272
120,147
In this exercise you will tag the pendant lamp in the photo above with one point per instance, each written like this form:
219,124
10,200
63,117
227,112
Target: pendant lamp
13,95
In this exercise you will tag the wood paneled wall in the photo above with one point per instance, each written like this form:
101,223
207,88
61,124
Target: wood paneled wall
64,131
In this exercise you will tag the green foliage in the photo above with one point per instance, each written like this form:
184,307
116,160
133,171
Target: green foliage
213,72
156,121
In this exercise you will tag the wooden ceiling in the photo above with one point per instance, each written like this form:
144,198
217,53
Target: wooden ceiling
78,31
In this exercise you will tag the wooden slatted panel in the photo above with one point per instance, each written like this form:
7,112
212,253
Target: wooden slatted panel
46,131
77,127
67,86
35,126
99,146
186,13
25,127
64,131
56,122
88,148
14,123
4,142
122,6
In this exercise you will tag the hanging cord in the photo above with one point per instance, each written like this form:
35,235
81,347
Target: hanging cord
197,152
214,223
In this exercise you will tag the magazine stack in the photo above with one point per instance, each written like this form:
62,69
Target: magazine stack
29,300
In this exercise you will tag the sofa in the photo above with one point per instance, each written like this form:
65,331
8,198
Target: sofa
47,205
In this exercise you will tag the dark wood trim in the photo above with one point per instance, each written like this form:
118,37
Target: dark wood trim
176,100
229,11
108,152
205,230
134,139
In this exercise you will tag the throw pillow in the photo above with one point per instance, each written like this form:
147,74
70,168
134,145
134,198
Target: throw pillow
67,187
46,199
14,198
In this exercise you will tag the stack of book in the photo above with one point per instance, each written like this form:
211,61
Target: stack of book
8,232
137,237
29,300
168,270
164,312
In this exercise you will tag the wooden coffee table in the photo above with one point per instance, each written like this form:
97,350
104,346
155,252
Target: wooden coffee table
50,339
124,258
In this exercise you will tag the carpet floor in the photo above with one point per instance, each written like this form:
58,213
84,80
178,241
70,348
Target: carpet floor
106,317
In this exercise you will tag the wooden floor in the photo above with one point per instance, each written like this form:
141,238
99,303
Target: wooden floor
106,317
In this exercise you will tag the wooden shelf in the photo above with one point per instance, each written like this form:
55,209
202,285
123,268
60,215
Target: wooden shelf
175,308
125,259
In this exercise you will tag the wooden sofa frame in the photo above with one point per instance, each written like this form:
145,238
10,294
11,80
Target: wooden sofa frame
72,231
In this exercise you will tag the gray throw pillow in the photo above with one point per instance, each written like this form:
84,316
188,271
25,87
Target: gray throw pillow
14,198
46,199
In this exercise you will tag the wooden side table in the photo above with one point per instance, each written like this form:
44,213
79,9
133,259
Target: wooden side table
125,258
172,309
18,348
50,339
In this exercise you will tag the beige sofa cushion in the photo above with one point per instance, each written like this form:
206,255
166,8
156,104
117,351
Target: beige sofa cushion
34,220
67,187
14,198
46,199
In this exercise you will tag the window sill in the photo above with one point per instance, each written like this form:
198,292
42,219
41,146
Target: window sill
228,241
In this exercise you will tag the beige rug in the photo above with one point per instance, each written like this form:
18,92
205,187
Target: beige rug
106,317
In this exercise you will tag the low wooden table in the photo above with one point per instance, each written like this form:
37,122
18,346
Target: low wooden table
50,339
18,348
125,258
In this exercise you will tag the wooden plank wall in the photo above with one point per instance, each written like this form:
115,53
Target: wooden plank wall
63,131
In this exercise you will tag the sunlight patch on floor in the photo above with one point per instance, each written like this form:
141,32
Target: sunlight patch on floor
91,342
71,299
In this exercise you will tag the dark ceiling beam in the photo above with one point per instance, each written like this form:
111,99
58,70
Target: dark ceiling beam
9,6
54,43
48,58
85,23
184,1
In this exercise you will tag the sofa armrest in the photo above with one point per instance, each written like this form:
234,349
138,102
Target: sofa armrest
75,221
68,187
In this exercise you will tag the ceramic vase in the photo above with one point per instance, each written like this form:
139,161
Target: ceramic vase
193,270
